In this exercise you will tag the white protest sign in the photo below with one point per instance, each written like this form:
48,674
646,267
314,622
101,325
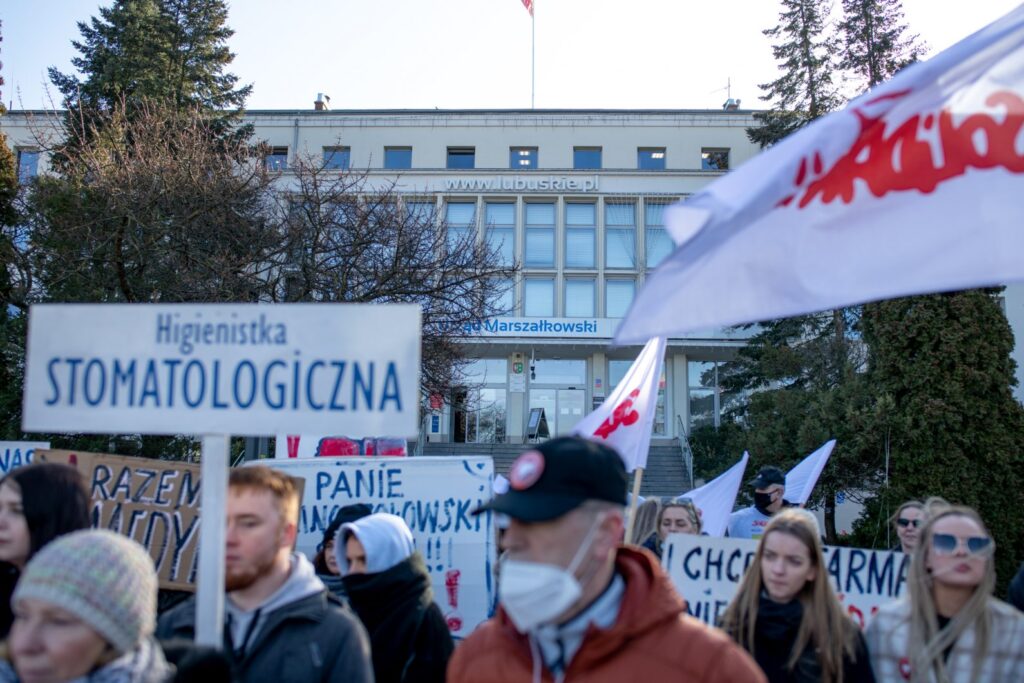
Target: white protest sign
707,572
223,369
15,454
435,496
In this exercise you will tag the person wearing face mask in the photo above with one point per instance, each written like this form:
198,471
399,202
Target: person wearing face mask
769,489
388,586
325,562
948,627
575,605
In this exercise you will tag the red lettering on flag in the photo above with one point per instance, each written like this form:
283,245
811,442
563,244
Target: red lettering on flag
623,415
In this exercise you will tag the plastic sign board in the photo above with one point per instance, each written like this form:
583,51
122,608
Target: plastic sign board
707,572
435,496
15,454
255,369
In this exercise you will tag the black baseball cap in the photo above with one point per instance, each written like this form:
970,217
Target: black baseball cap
558,476
769,476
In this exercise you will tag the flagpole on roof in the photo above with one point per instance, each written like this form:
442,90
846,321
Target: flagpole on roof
533,56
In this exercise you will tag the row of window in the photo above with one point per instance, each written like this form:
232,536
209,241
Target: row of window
580,237
519,158
578,297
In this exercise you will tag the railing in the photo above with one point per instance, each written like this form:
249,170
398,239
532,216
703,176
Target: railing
686,451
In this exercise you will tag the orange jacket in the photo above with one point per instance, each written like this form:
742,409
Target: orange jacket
652,640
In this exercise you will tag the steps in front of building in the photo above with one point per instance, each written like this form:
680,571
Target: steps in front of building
665,474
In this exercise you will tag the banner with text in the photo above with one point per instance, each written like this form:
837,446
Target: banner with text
435,497
250,369
155,502
707,572
15,454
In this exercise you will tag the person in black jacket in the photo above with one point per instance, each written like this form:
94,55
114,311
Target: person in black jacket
388,586
38,503
786,615
325,562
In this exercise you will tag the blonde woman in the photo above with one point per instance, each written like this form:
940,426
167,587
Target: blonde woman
677,516
786,615
949,629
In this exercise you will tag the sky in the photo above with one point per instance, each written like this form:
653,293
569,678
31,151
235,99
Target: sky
453,54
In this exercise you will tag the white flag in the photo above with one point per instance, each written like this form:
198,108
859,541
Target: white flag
625,419
915,187
801,479
716,498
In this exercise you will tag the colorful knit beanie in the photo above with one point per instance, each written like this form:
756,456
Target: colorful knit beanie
105,579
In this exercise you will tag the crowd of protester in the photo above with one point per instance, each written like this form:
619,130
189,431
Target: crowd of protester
574,601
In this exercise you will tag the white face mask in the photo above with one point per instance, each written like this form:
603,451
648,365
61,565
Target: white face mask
536,593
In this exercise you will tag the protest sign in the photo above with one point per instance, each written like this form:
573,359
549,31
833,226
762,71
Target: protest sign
435,497
155,502
15,454
250,369
707,572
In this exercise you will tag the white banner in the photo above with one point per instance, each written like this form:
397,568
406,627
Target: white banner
249,369
625,420
915,187
434,495
15,454
801,479
716,498
707,572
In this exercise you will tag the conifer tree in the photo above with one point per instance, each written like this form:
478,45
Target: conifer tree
804,52
875,41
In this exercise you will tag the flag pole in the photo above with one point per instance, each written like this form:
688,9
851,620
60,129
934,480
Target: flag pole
633,503
533,55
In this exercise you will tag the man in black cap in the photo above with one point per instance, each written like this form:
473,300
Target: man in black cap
575,602
769,489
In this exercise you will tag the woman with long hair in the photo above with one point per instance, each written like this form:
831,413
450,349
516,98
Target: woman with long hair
677,516
949,628
646,521
786,615
38,503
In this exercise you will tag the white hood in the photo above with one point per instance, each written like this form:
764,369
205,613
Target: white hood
386,538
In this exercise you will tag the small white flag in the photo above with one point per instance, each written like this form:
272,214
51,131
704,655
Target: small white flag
801,479
625,419
915,187
716,498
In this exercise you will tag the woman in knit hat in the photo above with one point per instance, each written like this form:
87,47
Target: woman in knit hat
85,609
38,503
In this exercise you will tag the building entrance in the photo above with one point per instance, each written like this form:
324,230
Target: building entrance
562,407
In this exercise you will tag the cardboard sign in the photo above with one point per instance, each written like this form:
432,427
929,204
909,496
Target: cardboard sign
250,369
435,497
154,502
15,454
707,572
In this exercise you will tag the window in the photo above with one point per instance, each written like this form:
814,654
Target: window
461,157
703,393
486,371
522,158
337,157
617,370
398,157
650,158
540,235
559,371
461,220
277,159
503,299
714,159
501,230
539,297
618,295
659,244
619,235
422,212
580,228
579,298
586,157
28,164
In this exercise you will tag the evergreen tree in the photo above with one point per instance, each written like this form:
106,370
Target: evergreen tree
875,41
804,53
955,430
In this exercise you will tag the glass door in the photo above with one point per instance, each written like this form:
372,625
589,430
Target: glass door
548,400
572,406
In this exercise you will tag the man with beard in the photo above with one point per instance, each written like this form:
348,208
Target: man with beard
282,623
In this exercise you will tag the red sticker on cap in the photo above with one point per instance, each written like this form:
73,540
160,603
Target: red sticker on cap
526,470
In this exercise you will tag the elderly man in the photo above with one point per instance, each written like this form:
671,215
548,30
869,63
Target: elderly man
575,605
769,489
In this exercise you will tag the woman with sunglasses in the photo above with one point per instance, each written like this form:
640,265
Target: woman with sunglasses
950,628
786,615
909,517
676,516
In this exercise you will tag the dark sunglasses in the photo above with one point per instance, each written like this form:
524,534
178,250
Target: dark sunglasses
946,544
903,522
